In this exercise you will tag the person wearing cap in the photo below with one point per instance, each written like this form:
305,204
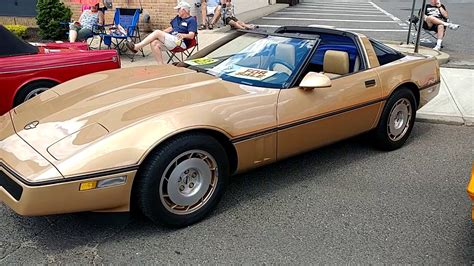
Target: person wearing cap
181,32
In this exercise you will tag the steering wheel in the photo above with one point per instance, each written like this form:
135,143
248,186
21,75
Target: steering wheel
283,63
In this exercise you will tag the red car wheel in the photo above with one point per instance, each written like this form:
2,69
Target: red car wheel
31,90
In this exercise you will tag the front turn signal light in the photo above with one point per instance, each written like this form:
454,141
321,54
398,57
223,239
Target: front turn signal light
88,185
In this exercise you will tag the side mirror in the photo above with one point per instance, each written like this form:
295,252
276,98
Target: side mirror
315,80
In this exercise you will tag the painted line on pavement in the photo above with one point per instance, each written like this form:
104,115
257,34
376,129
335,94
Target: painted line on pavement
399,22
327,26
325,14
332,10
337,5
337,8
333,20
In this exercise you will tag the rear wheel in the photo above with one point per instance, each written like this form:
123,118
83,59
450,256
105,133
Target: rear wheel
397,120
182,181
31,90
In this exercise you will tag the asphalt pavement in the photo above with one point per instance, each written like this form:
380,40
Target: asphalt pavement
345,203
458,44
383,20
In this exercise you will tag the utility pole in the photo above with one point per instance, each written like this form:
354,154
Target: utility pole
422,17
409,20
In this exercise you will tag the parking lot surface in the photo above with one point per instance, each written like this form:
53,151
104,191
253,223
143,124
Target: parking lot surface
343,203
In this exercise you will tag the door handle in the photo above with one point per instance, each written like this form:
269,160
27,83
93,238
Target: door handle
370,83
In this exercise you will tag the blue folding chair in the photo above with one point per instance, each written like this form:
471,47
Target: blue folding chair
128,19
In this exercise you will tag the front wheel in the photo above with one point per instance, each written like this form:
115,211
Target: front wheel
397,120
183,180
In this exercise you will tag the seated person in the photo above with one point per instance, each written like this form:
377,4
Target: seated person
436,17
210,7
182,31
82,29
233,21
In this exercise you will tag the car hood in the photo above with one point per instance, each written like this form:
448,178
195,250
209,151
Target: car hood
108,101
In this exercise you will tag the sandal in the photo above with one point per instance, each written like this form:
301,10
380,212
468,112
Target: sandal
211,26
202,27
131,47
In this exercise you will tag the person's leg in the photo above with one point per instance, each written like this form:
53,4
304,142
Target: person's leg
439,35
246,26
72,35
235,25
156,49
83,34
430,20
203,14
155,35
217,15
73,32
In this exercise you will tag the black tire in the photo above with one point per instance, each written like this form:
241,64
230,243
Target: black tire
397,120
25,92
153,192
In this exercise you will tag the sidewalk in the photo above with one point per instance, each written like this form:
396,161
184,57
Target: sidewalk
453,105
455,101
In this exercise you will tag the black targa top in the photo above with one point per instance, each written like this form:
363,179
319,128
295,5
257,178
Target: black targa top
11,45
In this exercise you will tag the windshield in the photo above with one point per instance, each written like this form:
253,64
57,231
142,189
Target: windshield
256,60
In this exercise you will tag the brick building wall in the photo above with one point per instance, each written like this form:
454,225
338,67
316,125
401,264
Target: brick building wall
160,12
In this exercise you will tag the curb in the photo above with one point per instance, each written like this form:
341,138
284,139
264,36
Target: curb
440,119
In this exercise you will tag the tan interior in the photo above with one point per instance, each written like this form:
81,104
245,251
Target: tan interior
336,63
285,53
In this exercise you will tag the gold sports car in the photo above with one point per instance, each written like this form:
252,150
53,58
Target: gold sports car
165,139
470,191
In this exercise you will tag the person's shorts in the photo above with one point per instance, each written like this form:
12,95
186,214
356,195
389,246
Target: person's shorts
432,28
82,33
171,42
211,10
228,19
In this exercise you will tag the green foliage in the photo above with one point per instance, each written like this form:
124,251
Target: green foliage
50,14
18,30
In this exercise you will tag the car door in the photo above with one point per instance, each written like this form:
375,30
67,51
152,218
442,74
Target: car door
310,118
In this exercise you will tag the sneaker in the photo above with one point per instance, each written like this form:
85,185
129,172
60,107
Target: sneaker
453,26
437,48
131,47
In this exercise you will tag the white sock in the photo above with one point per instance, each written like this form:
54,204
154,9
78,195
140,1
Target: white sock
438,42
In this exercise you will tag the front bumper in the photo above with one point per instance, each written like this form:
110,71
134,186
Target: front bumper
31,185
65,196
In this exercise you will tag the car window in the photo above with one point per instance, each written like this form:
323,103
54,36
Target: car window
256,60
384,53
332,42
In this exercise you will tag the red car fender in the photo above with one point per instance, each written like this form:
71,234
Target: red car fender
59,66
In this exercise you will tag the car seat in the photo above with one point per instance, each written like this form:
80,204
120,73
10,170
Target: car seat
335,64
284,59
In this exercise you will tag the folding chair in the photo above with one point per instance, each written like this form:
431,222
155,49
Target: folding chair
183,53
426,36
209,17
126,19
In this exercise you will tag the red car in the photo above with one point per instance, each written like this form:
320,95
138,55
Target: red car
27,70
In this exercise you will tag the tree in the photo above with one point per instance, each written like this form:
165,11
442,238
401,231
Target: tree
50,14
